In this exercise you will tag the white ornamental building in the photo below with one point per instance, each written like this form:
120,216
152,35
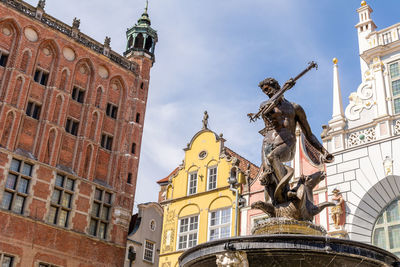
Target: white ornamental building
365,139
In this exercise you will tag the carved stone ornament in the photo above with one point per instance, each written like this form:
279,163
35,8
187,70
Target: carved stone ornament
75,23
41,4
107,41
361,137
397,127
362,99
232,259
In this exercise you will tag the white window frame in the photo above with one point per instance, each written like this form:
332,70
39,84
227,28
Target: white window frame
147,249
219,225
188,232
189,180
215,167
391,80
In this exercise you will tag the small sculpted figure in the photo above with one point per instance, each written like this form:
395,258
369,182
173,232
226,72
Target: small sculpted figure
337,211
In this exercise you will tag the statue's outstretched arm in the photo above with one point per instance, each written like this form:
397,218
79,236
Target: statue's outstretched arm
301,119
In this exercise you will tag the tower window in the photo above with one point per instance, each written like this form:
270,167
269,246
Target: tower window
133,148
72,126
141,86
149,43
3,59
33,110
112,110
41,76
106,141
139,40
129,180
78,94
138,117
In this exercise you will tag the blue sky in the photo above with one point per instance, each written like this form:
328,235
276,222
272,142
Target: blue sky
211,56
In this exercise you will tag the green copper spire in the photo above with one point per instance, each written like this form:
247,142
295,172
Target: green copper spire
144,19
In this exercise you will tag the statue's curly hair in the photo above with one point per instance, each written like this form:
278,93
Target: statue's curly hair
270,82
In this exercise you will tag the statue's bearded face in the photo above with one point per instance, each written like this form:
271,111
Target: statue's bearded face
269,90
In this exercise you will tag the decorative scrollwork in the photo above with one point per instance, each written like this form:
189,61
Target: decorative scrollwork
361,137
362,99
397,127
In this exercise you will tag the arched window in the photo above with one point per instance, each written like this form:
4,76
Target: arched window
130,41
386,232
149,43
139,40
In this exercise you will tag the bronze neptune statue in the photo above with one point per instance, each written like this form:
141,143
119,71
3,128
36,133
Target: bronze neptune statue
281,118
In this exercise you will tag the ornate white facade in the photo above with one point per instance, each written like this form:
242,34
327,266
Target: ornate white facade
365,139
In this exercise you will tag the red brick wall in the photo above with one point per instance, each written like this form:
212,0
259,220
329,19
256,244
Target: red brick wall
45,143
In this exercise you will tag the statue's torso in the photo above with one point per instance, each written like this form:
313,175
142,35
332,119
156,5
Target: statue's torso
280,124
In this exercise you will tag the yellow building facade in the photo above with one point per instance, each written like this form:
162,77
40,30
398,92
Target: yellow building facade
199,204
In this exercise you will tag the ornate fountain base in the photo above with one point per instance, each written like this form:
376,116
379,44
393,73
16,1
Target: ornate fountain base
286,251
287,226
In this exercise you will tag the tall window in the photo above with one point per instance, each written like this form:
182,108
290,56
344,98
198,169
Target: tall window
33,110
219,224
192,183
78,94
188,228
387,229
61,200
101,211
112,110
6,260
106,141
72,126
212,178
17,186
395,84
148,253
3,58
41,76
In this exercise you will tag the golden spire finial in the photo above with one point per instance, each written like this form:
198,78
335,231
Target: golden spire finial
363,3
335,60
147,6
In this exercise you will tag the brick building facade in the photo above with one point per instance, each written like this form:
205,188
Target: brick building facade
71,123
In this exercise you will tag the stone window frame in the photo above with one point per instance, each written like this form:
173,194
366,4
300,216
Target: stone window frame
15,192
97,217
219,225
391,81
72,126
209,176
41,76
10,257
64,190
6,55
33,109
149,251
192,188
112,110
78,94
188,232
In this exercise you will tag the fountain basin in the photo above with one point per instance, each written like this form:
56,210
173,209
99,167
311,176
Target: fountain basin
286,250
